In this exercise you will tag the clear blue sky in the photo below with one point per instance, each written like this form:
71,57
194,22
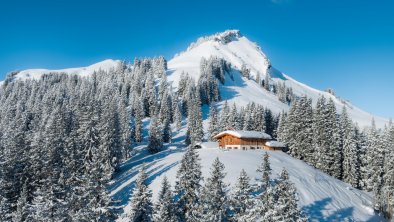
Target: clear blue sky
347,45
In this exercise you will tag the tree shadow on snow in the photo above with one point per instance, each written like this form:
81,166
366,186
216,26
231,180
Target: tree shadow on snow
125,179
315,211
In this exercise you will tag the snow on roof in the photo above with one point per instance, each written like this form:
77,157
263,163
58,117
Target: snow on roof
209,145
274,143
245,134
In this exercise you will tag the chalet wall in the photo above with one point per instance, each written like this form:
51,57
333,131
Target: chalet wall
231,142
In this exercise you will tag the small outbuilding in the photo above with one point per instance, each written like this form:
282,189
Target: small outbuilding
274,145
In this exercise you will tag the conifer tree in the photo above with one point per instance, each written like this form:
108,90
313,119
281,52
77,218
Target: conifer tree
285,206
267,82
195,131
139,115
188,185
242,196
22,207
165,208
155,141
141,204
177,114
215,202
351,159
224,117
213,122
265,170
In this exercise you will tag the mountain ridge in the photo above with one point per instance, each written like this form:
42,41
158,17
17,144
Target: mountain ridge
238,50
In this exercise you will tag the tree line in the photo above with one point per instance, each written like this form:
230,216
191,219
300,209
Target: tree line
333,143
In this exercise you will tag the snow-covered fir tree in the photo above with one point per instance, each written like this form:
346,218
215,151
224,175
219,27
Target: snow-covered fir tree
165,207
155,141
195,131
141,203
214,197
188,186
265,170
241,198
213,128
285,206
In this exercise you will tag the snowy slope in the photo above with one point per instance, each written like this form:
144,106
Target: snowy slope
238,50
322,197
105,65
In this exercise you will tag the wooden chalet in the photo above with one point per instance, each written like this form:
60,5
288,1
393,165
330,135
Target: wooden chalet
247,140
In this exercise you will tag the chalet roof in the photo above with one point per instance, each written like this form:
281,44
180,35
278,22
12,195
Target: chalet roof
245,134
274,143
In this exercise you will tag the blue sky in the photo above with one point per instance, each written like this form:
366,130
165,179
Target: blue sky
347,45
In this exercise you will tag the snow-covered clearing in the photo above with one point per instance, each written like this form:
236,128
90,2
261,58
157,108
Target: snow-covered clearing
322,197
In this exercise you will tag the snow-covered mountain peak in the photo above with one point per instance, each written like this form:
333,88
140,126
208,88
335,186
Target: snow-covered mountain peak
229,45
221,37
239,51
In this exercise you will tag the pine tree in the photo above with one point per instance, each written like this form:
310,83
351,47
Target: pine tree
22,210
187,188
195,131
327,139
214,199
139,115
141,205
267,82
388,178
233,118
245,71
242,196
285,207
165,208
265,169
224,117
375,160
177,114
155,141
213,122
351,159
167,133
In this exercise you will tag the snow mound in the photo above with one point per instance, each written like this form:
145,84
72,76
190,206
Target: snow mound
321,197
105,65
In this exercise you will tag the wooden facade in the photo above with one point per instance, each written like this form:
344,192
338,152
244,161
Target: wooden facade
229,141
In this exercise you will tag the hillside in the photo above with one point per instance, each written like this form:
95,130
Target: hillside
105,65
321,197
238,50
